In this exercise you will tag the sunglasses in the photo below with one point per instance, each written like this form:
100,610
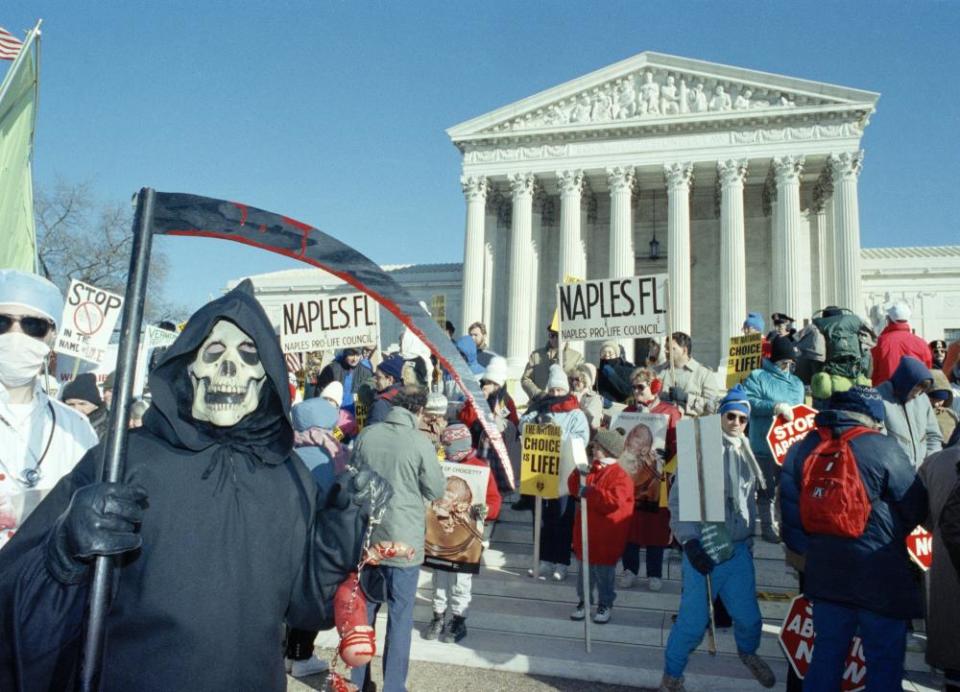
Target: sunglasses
37,327
736,417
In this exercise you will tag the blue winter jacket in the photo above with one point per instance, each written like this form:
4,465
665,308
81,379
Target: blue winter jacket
766,386
316,413
873,571
468,349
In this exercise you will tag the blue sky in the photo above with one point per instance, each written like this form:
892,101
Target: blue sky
334,112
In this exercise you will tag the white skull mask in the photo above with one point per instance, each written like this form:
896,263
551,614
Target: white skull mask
227,376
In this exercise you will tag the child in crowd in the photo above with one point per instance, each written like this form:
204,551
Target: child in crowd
609,496
727,558
315,443
454,588
434,419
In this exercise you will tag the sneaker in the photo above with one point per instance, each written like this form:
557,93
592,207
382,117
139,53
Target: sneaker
602,616
671,684
560,572
769,533
310,666
455,631
759,668
654,583
627,579
545,569
434,628
579,612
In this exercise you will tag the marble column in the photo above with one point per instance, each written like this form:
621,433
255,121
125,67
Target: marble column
787,170
573,262
845,168
519,286
733,272
678,177
622,260
475,191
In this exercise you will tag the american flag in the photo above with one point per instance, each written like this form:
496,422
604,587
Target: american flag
9,45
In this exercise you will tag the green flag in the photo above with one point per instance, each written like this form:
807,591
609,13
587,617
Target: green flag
18,109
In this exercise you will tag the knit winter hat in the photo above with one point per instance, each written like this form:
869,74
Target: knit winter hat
899,312
557,379
864,400
589,372
392,366
755,321
735,400
84,388
333,392
783,348
456,442
610,440
611,344
436,404
496,371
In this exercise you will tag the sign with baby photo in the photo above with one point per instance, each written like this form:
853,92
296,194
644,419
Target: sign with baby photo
644,454
454,538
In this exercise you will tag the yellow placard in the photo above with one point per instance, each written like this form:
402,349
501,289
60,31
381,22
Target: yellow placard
555,322
744,355
540,461
360,413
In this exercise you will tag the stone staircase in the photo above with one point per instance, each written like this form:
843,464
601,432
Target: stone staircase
522,625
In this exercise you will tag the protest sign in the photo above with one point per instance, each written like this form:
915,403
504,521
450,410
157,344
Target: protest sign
153,338
68,367
89,316
330,322
644,453
454,523
797,640
540,461
920,547
700,438
783,434
624,308
744,355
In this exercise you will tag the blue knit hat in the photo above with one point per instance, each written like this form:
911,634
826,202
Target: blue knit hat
735,400
865,400
754,321
392,366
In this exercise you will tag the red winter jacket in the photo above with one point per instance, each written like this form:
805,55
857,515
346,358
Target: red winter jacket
896,341
609,509
493,495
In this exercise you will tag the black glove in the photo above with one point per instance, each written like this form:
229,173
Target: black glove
677,395
101,520
698,557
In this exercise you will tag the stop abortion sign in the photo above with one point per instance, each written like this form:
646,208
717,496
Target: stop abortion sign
783,434
797,639
920,547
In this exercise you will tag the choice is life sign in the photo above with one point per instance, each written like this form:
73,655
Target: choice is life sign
540,461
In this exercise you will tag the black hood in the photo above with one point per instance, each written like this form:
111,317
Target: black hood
266,434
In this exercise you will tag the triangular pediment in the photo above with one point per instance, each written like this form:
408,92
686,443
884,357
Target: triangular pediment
654,88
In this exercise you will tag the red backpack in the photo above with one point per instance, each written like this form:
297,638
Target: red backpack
833,499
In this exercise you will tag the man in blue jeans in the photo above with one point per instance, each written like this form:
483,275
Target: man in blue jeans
864,584
406,458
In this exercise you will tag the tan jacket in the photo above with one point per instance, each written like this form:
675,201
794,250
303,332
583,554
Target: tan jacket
701,384
538,368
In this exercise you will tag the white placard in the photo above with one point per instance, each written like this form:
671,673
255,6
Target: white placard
688,479
89,316
153,337
330,322
626,308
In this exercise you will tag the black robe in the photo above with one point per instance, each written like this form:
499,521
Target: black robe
232,545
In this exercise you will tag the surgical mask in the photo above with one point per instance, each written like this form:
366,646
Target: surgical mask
21,358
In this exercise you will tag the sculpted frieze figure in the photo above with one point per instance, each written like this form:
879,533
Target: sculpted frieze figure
698,99
721,100
626,103
669,100
649,95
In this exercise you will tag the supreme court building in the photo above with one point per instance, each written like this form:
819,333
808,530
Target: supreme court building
740,185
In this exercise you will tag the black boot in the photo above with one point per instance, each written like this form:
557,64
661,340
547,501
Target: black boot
456,630
435,627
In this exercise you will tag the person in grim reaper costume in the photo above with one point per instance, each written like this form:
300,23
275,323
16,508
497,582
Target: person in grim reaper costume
216,525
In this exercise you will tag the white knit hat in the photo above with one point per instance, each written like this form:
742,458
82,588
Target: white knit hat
557,379
333,392
899,312
496,371
436,404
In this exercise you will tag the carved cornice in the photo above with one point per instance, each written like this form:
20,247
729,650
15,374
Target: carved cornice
620,178
475,187
570,182
522,183
678,175
787,169
846,165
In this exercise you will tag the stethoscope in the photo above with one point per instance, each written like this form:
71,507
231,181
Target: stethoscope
31,477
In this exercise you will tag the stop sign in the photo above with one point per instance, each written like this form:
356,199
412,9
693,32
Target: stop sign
783,434
920,547
797,640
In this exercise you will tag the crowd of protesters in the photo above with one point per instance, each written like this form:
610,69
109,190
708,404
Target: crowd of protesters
890,401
